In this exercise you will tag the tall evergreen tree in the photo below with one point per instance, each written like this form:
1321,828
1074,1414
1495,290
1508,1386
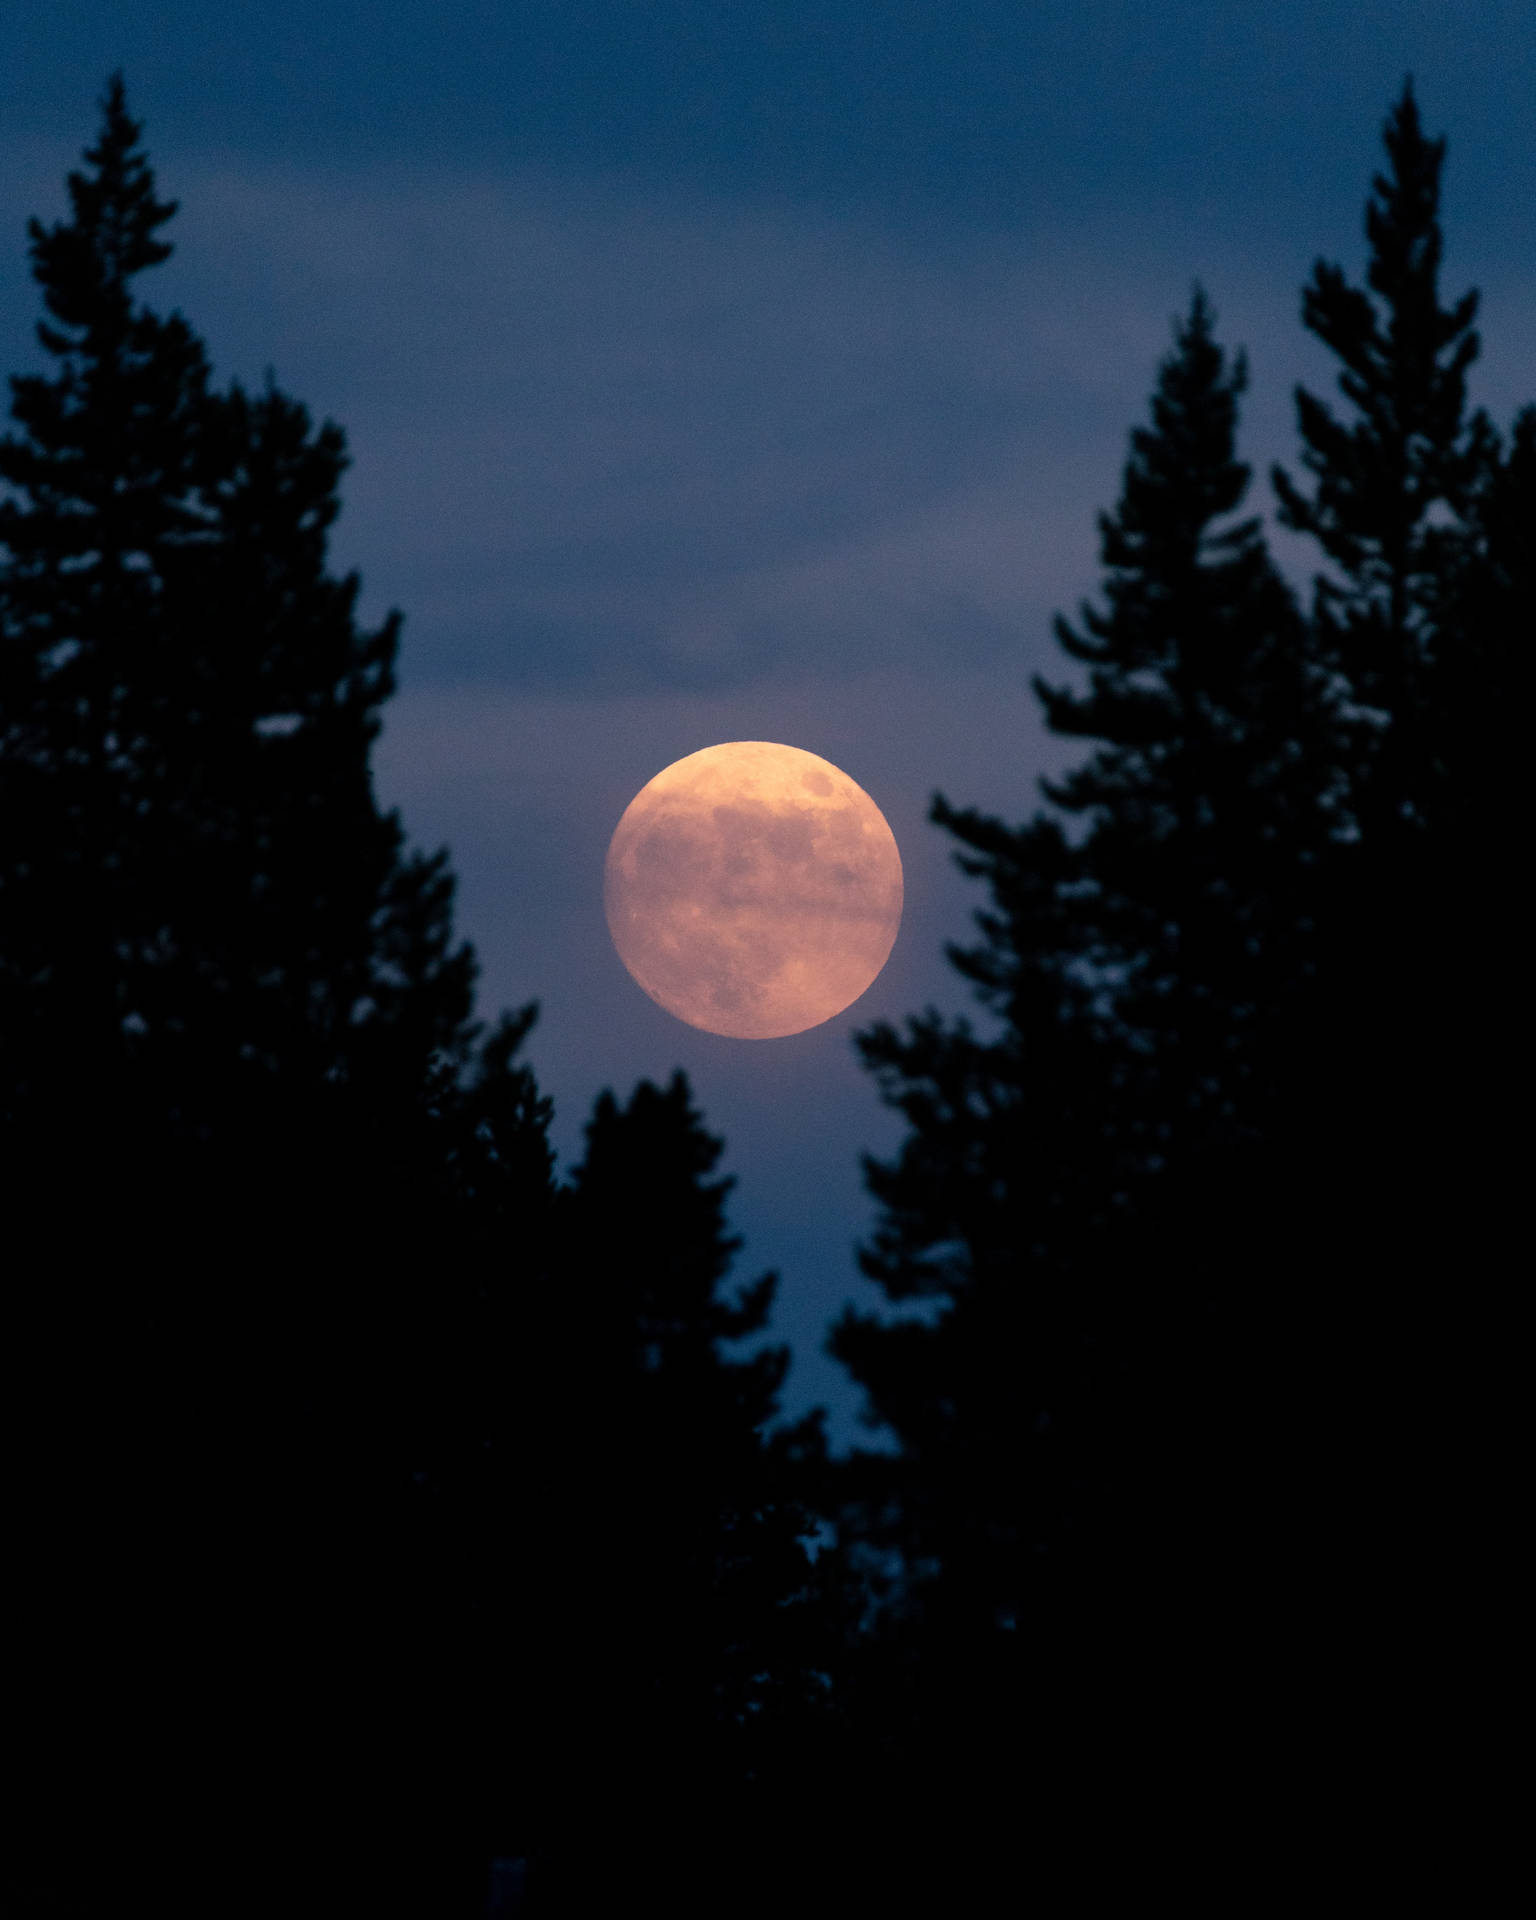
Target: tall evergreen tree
1047,1510
1401,486
1189,1211
1395,485
1425,516
408,1460
1414,506
1212,798
461,1417
200,894
676,1614
228,1001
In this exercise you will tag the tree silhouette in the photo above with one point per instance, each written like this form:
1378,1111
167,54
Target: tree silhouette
1423,514
1402,487
200,891
1046,1423
677,1614
1417,508
1212,797
1185,1208
439,1521
1394,484
233,1017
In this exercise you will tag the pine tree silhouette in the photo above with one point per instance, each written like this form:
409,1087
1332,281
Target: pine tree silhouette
201,897
232,1024
1424,515
1213,795
1392,484
1414,508
1187,1207
1139,976
678,1640
1400,485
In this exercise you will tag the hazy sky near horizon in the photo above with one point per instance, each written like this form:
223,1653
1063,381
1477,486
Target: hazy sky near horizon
715,373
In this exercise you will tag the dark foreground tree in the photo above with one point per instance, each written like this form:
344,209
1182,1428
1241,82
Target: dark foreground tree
205,912
375,1505
1191,1207
227,994
1426,520
677,1617
1134,975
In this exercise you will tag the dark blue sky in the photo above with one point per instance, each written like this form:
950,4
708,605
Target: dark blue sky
717,373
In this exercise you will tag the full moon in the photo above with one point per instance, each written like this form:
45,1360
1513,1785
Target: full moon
753,890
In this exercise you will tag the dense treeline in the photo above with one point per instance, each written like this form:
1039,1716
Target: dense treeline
1217,1204
383,1502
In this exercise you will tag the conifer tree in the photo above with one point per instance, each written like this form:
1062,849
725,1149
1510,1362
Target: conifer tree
204,910
1395,484
1408,508
1424,515
1191,1210
678,1634
1141,976
1128,969
456,1417
237,1145
1414,508
1400,486
1212,799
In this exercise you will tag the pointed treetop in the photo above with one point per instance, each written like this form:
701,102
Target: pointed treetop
1181,477
1401,217
116,218
1404,365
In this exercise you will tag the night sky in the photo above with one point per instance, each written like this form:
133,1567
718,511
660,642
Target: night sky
720,373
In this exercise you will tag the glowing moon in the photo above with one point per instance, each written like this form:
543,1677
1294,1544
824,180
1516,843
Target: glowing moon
753,890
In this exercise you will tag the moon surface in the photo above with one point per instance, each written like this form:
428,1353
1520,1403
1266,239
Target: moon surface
753,889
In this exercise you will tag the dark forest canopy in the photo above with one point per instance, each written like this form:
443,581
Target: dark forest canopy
1213,1205
317,1335
385,1502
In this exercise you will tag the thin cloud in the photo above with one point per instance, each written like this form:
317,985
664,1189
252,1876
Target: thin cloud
604,440
609,439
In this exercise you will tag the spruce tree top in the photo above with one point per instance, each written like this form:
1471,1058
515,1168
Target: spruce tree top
106,460
196,883
1397,487
1410,447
